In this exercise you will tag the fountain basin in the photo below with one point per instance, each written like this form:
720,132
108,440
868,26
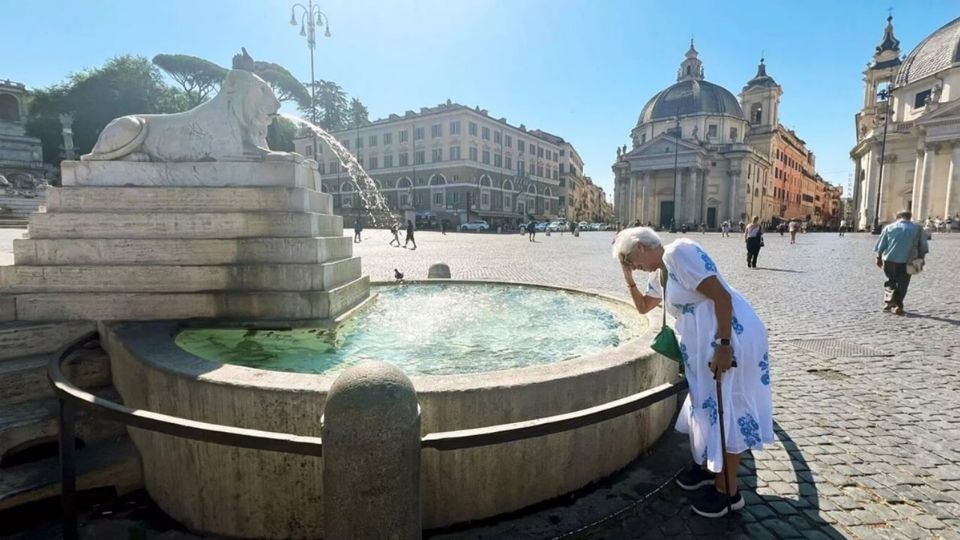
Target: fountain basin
248,493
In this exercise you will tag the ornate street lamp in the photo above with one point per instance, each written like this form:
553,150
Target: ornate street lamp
884,96
310,18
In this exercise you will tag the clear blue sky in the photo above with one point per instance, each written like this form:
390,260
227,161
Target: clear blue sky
579,69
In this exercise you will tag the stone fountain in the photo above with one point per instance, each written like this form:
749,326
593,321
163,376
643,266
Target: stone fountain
188,215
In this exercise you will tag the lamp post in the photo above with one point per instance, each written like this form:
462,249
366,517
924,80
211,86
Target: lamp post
310,18
884,96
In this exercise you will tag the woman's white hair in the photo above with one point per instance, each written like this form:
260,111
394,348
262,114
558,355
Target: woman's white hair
629,239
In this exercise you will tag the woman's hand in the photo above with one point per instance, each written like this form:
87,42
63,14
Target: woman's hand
722,360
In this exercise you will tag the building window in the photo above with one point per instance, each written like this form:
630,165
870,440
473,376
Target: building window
539,170
373,140
373,163
456,178
403,136
521,167
643,138
404,199
421,199
485,133
455,197
473,129
437,155
404,159
520,145
454,153
712,130
419,157
733,134
473,154
485,199
418,133
387,161
509,163
920,100
497,160
497,137
436,130
509,142
561,168
309,152
388,138
455,128
438,198
539,151
333,166
322,168
486,157
555,158
506,202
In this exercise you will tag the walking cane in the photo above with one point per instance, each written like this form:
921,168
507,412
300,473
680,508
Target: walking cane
723,446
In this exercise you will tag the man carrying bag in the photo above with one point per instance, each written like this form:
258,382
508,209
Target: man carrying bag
900,249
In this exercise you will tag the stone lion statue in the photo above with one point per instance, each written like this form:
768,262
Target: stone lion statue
230,127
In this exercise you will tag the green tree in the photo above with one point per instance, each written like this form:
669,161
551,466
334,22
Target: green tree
199,78
332,107
358,113
124,85
285,86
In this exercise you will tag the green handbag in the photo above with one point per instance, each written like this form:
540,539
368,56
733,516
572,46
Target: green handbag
666,341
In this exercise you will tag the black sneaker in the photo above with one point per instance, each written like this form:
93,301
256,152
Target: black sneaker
713,504
694,478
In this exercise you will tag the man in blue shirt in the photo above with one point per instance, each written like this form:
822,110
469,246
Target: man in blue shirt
900,242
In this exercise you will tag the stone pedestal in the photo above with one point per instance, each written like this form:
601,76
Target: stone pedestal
127,240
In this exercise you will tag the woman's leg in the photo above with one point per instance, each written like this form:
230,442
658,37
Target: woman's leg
731,464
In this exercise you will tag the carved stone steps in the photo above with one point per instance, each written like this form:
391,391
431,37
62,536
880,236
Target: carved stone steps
19,339
188,199
183,225
231,305
147,251
32,422
178,279
25,378
115,464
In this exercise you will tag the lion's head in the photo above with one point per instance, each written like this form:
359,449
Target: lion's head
252,102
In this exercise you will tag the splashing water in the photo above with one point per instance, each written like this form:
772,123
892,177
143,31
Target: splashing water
365,187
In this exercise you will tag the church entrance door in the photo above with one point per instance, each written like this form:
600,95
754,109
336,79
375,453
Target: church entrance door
712,217
666,213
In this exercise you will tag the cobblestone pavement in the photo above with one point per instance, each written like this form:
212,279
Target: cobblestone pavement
867,404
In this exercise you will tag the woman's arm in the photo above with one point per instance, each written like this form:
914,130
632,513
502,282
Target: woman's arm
723,311
643,302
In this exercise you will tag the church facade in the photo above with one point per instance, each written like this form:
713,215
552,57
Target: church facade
910,117
701,155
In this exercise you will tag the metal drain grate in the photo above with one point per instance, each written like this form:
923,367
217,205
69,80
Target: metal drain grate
835,348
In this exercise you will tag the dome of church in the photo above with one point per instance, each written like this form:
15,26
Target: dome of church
691,97
938,52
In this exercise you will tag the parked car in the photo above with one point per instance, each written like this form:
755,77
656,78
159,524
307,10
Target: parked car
541,227
584,226
475,225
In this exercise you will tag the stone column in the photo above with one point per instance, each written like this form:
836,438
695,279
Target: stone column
733,177
648,189
953,181
371,455
921,184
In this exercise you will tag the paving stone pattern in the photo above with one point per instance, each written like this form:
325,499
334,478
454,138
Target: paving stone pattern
869,446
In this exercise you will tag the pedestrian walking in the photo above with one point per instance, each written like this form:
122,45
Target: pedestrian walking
443,228
843,227
410,235
713,323
395,231
900,244
793,228
531,231
753,236
725,229
357,229
741,226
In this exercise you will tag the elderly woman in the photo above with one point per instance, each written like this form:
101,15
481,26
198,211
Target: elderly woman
714,325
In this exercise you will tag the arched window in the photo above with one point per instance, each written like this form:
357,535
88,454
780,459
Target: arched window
507,185
9,108
437,180
484,181
547,192
404,183
532,189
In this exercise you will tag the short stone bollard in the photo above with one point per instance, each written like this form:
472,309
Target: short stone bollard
438,271
371,455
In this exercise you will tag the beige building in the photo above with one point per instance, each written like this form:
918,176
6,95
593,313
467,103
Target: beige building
910,117
21,156
698,157
451,163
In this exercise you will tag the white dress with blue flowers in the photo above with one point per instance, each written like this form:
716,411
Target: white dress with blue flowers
747,398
